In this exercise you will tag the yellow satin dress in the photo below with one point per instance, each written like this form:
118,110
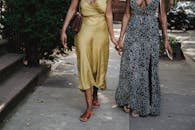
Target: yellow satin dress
92,45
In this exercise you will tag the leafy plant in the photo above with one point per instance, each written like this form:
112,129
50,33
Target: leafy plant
37,22
176,47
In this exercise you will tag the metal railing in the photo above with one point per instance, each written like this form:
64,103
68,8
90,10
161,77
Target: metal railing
1,18
16,43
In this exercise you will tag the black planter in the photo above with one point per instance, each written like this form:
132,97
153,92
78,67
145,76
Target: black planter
177,52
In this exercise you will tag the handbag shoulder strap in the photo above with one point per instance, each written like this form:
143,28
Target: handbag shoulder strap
78,6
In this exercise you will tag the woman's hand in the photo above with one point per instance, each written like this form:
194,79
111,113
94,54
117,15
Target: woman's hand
114,41
119,47
168,47
64,39
120,43
168,50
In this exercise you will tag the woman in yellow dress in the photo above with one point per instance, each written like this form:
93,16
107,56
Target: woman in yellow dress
92,47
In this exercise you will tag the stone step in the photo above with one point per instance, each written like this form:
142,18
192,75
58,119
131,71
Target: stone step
3,46
17,86
9,62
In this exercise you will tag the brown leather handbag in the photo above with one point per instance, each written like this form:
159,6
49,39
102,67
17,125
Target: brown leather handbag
76,21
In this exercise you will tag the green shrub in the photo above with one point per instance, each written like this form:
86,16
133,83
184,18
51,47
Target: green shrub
37,22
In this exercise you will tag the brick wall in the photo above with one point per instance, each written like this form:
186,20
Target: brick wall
118,7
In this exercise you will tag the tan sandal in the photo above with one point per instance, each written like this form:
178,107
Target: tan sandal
86,116
126,109
95,104
134,114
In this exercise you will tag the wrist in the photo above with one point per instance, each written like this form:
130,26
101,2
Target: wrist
63,29
112,37
120,38
166,41
165,37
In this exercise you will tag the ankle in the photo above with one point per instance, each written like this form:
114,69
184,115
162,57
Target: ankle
95,92
95,97
89,108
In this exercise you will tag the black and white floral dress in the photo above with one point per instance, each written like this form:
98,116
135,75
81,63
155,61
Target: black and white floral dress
139,86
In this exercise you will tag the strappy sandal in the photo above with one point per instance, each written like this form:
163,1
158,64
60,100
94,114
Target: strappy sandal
86,116
126,109
95,104
134,114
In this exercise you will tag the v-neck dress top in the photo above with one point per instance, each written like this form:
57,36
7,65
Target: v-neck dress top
92,45
138,85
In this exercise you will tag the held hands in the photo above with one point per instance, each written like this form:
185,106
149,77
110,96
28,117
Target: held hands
115,42
119,46
64,39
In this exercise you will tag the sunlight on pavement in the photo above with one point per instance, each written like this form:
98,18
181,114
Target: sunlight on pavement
103,98
114,106
189,41
190,50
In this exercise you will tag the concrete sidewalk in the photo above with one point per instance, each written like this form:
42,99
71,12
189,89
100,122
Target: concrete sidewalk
57,104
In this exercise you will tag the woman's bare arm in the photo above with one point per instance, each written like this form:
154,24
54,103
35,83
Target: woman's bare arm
109,19
163,20
126,18
71,11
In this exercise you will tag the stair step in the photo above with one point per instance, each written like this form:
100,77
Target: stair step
14,89
8,63
3,48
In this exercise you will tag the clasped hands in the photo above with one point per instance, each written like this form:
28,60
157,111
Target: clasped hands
118,44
